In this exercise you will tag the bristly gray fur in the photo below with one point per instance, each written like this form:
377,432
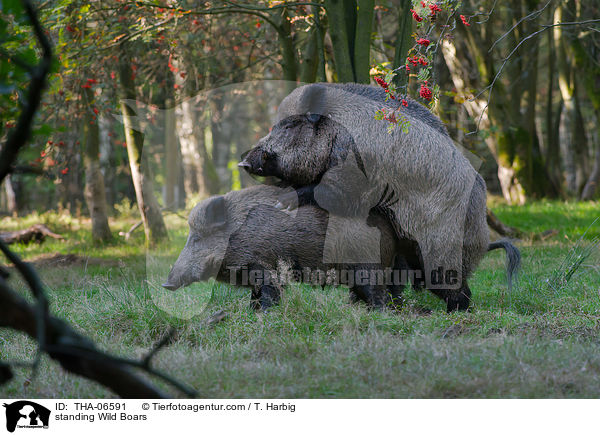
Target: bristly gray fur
244,229
440,197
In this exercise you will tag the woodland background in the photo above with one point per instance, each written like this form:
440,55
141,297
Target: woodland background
518,90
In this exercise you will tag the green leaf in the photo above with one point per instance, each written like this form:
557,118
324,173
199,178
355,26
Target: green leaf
12,7
44,130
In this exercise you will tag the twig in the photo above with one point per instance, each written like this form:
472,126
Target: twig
162,343
72,350
134,227
527,17
20,134
490,87
36,287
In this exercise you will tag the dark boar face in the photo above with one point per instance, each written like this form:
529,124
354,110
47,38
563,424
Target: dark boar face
296,150
203,252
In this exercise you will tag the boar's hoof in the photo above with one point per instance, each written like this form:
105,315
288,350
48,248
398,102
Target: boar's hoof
264,297
287,201
460,301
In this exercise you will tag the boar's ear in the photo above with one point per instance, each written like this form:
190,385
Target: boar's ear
216,212
313,99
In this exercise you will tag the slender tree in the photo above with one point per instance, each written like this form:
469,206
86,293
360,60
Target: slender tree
95,194
154,226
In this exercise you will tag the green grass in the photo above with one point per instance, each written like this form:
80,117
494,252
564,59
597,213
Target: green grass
539,341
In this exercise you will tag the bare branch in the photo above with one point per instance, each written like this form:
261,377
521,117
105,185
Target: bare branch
74,352
531,16
20,134
490,87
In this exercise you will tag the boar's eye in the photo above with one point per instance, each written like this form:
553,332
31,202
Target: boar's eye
291,123
266,156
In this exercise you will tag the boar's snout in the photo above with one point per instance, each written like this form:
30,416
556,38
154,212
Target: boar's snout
170,286
186,271
252,162
174,280
259,162
181,273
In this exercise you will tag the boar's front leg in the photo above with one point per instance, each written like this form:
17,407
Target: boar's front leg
269,296
299,197
375,296
265,293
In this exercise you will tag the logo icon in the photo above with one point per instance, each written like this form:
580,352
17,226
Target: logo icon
26,414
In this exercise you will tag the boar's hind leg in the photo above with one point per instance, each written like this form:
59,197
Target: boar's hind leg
458,299
375,296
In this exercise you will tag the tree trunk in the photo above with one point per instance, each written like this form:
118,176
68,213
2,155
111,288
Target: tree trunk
286,44
171,194
95,195
200,178
222,136
552,154
320,25
336,15
572,133
108,162
362,40
403,41
312,59
501,143
586,63
154,226
11,198
591,186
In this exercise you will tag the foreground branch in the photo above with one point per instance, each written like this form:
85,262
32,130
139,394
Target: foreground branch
74,352
20,134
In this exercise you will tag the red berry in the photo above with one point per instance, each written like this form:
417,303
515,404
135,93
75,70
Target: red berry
381,82
425,92
416,16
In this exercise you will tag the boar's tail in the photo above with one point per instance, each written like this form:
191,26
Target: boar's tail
513,259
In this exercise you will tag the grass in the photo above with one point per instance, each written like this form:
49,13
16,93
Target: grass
539,341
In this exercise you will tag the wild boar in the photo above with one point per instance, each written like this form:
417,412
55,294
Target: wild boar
241,238
419,180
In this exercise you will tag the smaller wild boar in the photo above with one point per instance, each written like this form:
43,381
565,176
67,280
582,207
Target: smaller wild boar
242,238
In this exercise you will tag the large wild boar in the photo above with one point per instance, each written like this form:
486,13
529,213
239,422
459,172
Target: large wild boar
327,139
241,238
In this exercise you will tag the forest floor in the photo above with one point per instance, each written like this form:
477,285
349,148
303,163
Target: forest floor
542,340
